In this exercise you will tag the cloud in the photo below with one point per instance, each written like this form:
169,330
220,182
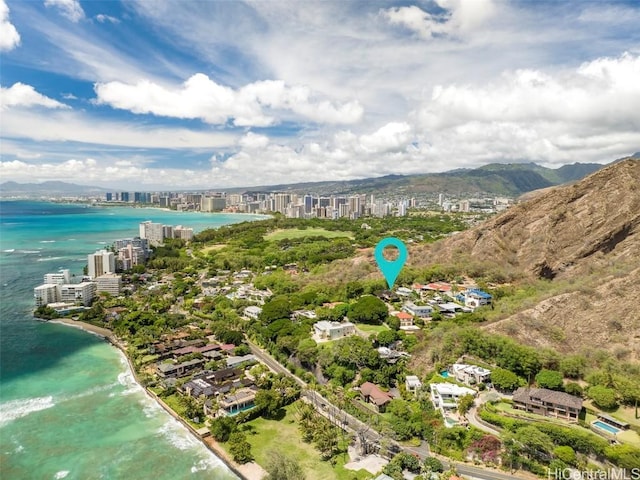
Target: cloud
458,17
9,36
69,9
102,18
21,95
199,97
70,126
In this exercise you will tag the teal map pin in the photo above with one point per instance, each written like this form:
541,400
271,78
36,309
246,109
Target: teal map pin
390,268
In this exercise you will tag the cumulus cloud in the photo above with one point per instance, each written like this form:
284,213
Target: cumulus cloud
21,95
255,104
69,9
9,36
458,17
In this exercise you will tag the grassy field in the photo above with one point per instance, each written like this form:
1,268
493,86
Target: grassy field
211,248
308,232
284,436
371,329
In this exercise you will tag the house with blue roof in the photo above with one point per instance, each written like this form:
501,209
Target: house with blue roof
474,297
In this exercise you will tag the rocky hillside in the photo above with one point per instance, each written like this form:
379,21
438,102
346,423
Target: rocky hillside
583,238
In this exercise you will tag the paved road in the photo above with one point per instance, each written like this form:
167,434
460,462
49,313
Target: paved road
350,423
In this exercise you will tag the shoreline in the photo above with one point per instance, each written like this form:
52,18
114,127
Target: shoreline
244,472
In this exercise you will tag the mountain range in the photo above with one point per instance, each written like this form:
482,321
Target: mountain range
494,179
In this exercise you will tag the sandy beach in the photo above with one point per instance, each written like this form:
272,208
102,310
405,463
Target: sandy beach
248,471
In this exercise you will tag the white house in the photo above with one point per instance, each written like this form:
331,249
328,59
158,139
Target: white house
325,330
422,311
412,383
252,312
470,374
445,396
474,297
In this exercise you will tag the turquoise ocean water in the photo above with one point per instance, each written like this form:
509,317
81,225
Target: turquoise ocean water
69,407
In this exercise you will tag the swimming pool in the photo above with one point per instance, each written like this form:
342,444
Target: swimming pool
606,427
444,374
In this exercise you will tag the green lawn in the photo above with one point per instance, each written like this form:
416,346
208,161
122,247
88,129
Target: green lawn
307,232
366,328
284,436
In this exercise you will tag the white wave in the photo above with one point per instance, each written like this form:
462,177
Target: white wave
9,250
49,259
14,409
29,251
101,243
47,241
206,464
178,435
61,474
71,239
126,380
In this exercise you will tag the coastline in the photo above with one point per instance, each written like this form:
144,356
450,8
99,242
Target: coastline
248,471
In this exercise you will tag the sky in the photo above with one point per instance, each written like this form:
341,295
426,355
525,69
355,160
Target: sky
191,94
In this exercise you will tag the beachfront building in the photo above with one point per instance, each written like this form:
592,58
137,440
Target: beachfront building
59,278
100,263
46,294
110,283
240,400
78,293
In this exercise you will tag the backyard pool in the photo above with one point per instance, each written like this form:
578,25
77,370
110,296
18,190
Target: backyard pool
606,427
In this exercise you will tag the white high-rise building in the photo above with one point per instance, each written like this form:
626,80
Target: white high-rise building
153,232
81,293
183,233
63,276
100,263
46,294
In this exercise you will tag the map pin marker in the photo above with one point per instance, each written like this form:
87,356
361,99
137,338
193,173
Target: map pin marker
390,268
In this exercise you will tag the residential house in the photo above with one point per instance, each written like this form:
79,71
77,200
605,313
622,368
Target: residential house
178,370
549,403
236,361
422,311
445,396
406,319
470,374
238,401
326,330
372,394
252,312
412,383
474,297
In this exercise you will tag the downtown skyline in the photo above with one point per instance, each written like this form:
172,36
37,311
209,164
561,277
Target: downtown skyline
212,94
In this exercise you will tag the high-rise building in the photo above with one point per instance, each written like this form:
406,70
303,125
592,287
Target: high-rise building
282,201
46,294
79,293
63,276
308,203
110,283
100,263
153,232
183,233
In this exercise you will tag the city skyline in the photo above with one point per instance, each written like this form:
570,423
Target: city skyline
158,95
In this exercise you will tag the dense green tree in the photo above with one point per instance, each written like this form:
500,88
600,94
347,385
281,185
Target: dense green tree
504,379
573,366
283,467
566,454
368,309
222,427
433,464
603,397
268,402
307,351
549,379
275,309
536,444
240,448
465,403
387,337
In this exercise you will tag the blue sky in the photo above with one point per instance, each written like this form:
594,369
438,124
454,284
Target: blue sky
206,94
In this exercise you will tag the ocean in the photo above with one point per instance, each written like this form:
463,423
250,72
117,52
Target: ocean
69,406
